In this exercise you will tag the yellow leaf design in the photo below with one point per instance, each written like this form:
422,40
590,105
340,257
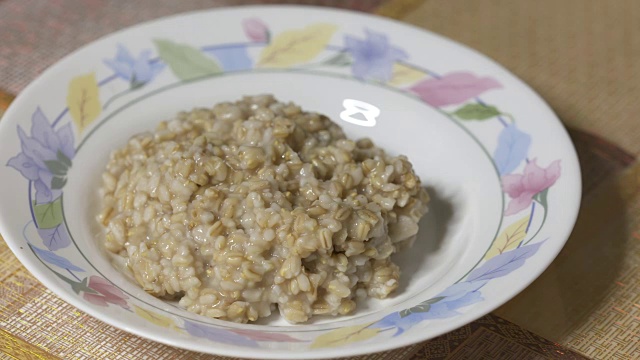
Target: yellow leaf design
83,100
509,238
343,336
403,74
296,46
154,318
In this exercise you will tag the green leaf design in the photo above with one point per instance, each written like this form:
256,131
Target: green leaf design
420,308
76,286
542,197
48,215
340,59
186,61
424,306
58,183
63,159
476,112
57,167
82,286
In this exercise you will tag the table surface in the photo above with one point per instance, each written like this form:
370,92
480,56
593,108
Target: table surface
582,56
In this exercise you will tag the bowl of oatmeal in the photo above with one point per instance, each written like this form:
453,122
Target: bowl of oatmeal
257,205
293,186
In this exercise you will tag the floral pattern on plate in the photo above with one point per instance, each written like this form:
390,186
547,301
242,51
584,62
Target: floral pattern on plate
47,154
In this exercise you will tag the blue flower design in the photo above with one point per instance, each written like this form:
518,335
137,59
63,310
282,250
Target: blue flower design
459,295
232,58
443,305
45,156
137,71
512,149
55,259
374,56
503,264
217,334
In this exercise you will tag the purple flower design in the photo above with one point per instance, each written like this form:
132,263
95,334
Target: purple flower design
231,58
218,334
443,305
138,71
459,295
512,148
46,155
374,56
54,259
503,264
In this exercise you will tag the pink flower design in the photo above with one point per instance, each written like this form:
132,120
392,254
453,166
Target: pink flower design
106,293
453,88
256,30
522,188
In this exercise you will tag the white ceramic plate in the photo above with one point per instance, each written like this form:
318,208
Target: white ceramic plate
501,169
